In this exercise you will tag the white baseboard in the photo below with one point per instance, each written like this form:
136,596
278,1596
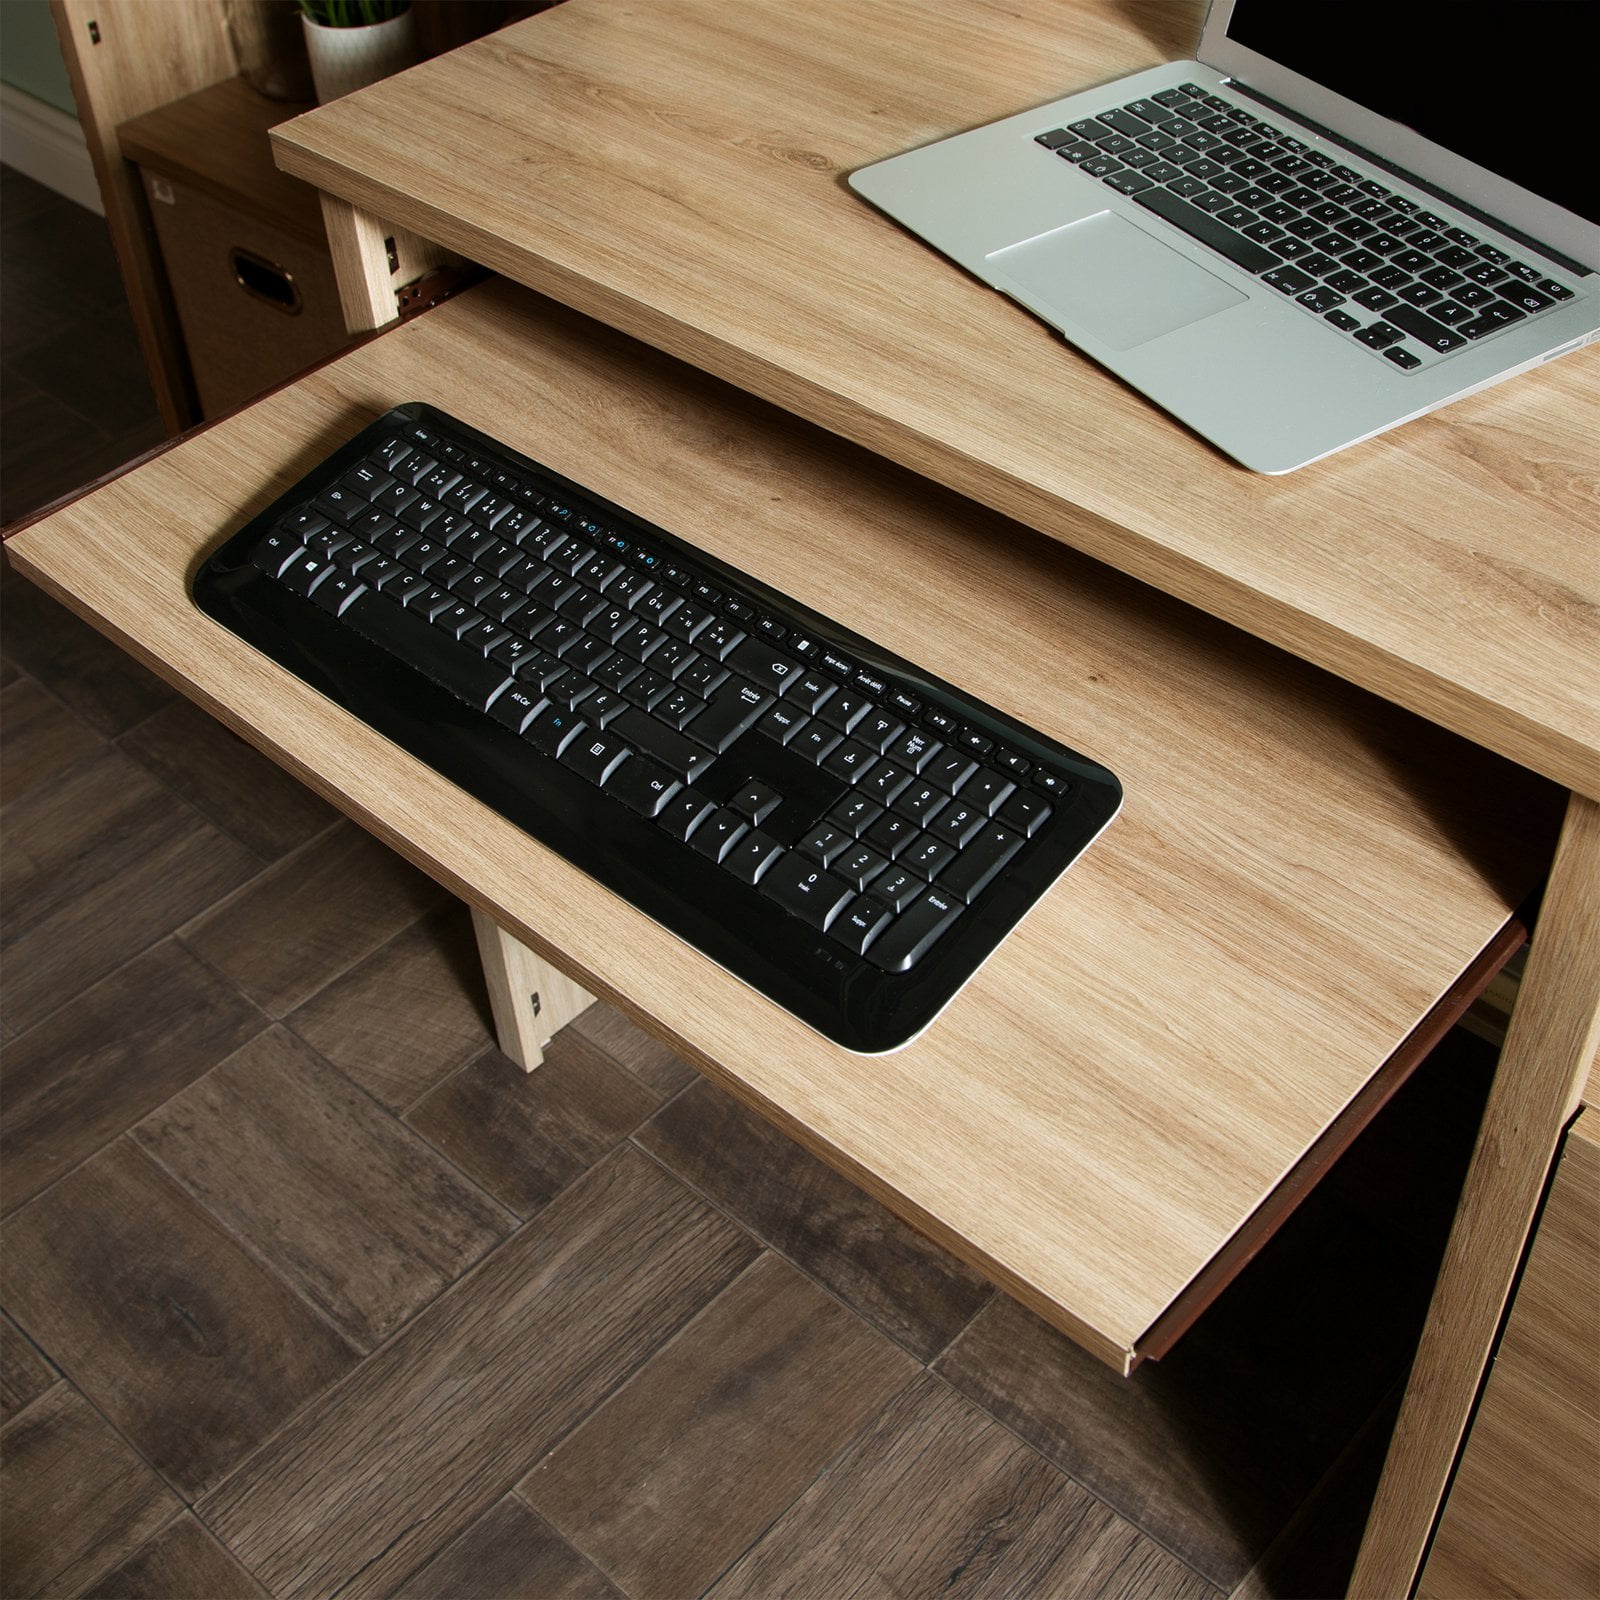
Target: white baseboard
47,145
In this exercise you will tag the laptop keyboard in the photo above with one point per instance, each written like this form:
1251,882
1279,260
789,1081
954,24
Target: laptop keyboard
1401,280
847,834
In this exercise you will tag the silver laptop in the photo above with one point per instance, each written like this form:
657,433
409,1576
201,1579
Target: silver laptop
1339,217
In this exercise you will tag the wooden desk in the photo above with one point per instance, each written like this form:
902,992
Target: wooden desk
1141,1066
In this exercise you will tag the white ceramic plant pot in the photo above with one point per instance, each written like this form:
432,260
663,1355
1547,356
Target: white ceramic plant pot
343,59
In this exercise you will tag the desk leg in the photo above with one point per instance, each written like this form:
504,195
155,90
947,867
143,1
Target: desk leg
530,999
1549,1047
372,262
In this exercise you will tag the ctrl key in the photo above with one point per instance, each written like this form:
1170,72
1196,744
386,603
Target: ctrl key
913,933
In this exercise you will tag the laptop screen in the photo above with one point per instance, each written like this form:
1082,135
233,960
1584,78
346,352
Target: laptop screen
1483,99
1506,83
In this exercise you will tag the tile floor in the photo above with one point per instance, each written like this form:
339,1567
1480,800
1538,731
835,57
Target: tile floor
309,1292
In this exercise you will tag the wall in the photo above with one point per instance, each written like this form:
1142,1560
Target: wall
30,57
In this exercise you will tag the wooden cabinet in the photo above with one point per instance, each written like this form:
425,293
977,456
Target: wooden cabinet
166,76
1523,1516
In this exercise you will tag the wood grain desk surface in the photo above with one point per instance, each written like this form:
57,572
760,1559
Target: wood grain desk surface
1299,870
677,170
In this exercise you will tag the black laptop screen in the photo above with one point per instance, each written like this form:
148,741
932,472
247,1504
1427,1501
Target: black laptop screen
1507,84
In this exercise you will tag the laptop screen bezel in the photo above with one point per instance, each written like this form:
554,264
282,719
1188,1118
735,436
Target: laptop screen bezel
1499,198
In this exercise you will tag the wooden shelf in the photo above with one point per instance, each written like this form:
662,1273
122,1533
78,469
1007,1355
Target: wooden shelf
1298,873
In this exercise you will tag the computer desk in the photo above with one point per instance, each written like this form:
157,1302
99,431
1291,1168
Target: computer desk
1341,702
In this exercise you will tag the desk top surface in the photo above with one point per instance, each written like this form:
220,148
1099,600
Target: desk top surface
1298,871
677,171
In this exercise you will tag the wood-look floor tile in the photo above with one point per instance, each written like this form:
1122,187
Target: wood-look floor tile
526,1135
938,1498
39,738
96,366
176,1334
508,1554
312,916
409,1015
23,200
77,1499
99,865
348,1499
24,1373
676,1474
102,683
1211,1449
93,1068
63,259
915,1291
648,1060
182,1562
227,780
328,1189
1316,1553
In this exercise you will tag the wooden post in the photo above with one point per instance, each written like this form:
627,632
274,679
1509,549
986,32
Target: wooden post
530,999
1549,1049
373,262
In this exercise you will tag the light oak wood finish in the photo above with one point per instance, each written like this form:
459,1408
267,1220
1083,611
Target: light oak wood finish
1298,872
530,998
373,261
677,172
1543,1068
1524,1511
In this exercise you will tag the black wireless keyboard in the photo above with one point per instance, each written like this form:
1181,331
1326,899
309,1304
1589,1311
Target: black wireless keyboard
844,833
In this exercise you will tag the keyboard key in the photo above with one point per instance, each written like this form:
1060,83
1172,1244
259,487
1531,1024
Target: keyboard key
814,741
927,856
811,892
596,755
859,865
914,931
684,812
855,813
1208,230
981,861
863,920
554,729
751,855
728,712
1424,329
680,756
1289,280
824,842
1380,335
850,760
891,833
407,634
759,661
756,801
717,834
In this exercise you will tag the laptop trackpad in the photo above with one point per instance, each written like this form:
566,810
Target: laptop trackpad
1110,278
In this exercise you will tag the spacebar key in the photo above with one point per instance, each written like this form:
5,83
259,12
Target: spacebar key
409,635
1201,225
